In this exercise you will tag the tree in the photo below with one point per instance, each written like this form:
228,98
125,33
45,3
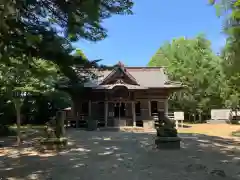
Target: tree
31,27
18,81
192,62
231,71
231,52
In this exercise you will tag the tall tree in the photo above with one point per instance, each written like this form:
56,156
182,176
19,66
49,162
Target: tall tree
31,27
231,71
231,52
192,62
18,81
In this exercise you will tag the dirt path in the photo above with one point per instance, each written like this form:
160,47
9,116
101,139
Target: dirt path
220,130
131,156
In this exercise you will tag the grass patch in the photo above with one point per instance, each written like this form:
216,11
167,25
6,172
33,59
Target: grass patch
28,126
236,133
29,129
26,131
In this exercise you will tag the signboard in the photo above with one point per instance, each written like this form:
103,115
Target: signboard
179,116
220,114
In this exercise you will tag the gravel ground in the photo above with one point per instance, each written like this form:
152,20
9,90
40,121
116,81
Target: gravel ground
131,156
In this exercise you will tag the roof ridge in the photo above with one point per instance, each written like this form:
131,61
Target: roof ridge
143,67
121,67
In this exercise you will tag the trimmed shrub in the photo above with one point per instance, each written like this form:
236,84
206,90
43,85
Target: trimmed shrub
7,131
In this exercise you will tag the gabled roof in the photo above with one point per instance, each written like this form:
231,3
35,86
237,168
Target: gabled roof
145,77
116,71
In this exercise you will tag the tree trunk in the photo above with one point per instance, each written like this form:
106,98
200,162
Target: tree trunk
18,114
63,117
200,117
60,130
194,118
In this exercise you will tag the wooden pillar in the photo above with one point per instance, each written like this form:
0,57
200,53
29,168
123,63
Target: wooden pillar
166,107
90,108
75,113
60,117
106,113
149,108
63,118
89,118
133,114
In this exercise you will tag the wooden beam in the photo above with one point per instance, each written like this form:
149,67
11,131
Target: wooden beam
90,108
133,114
149,108
106,113
166,107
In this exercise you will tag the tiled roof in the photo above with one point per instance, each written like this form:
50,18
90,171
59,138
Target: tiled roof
147,77
111,86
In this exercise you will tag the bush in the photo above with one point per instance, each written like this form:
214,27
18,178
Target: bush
236,133
6,131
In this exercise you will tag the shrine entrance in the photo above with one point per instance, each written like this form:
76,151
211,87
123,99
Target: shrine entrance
119,110
122,113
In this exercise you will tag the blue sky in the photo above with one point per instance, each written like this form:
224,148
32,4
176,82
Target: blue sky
135,39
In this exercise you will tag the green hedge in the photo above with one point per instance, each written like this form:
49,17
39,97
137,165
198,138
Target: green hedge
236,133
6,131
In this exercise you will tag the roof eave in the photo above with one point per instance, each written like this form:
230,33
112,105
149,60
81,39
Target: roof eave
168,87
109,87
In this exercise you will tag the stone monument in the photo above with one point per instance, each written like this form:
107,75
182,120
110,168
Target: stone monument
167,136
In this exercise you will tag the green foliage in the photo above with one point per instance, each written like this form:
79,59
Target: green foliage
236,133
231,52
38,109
31,27
78,18
80,53
6,131
192,62
33,84
231,64
46,29
18,79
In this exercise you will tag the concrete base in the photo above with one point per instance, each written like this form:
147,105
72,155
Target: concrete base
92,125
168,142
215,121
148,124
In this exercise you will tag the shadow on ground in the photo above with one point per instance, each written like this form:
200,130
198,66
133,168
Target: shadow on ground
121,155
